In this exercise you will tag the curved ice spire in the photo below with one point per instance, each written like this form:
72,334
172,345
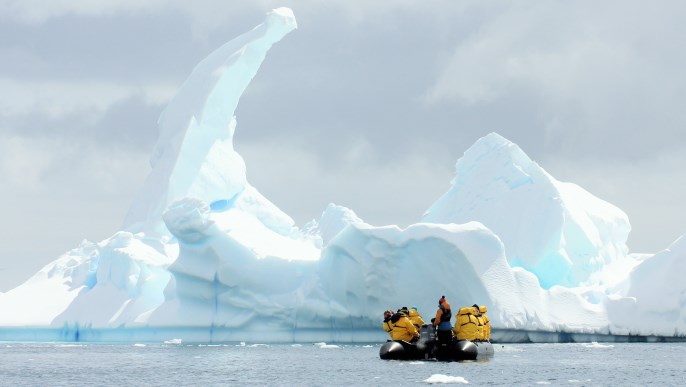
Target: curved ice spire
194,155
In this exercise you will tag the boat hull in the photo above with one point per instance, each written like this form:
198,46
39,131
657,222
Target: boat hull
430,347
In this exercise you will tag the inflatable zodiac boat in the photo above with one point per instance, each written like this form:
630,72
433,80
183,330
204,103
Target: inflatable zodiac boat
429,347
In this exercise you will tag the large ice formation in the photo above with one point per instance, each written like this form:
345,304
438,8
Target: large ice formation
563,234
203,256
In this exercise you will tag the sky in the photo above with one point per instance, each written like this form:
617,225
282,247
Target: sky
368,106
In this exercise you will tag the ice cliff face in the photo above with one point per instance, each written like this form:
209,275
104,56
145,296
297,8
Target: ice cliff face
653,294
204,254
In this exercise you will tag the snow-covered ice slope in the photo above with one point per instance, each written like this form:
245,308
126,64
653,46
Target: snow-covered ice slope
204,256
556,230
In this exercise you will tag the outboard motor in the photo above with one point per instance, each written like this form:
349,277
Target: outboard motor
427,341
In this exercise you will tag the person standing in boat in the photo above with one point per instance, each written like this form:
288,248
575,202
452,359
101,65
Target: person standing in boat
441,322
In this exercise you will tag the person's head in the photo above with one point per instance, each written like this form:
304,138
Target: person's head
387,313
404,311
441,300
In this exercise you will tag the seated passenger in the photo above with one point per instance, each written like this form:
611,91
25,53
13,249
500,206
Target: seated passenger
466,324
480,323
487,322
416,319
402,328
387,324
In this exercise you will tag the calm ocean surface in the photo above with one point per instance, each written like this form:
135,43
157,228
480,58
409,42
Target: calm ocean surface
158,364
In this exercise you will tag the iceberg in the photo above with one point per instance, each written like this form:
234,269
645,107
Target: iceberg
563,234
203,256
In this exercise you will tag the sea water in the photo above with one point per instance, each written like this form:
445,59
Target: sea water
175,363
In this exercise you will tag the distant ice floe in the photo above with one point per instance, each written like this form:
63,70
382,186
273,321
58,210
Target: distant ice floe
326,346
445,379
595,344
507,348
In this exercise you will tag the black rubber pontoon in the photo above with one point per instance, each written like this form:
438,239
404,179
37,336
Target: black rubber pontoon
429,347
